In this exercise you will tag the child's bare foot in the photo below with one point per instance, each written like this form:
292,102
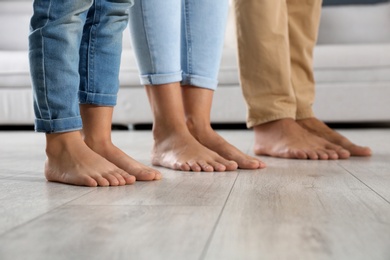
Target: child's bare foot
71,161
318,128
285,138
209,138
179,150
97,135
123,161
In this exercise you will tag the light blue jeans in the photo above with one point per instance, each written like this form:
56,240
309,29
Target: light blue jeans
74,49
178,40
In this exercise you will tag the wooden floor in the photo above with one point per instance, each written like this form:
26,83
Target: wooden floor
294,209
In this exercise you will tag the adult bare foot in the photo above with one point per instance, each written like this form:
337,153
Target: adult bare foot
113,154
318,128
287,139
197,106
179,150
71,161
174,146
212,140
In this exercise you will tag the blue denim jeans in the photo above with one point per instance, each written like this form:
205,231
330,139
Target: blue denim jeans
74,49
178,40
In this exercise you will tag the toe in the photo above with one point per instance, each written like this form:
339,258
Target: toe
322,154
111,178
332,155
343,154
357,150
120,179
300,154
181,167
194,166
249,163
102,181
218,167
312,155
231,166
205,166
146,174
129,179
85,181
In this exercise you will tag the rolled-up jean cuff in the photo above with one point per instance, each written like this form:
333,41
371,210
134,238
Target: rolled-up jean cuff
198,81
158,79
58,125
97,99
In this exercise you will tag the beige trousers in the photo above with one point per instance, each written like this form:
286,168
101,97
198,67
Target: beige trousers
275,40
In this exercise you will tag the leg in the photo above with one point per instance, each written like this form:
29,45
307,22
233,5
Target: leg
202,49
54,66
303,23
155,30
264,57
303,37
100,54
264,60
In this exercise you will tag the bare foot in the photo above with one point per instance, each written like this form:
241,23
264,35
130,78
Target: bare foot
318,128
287,139
174,146
212,140
123,161
71,161
181,151
97,135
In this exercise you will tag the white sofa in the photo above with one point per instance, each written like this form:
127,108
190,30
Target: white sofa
352,70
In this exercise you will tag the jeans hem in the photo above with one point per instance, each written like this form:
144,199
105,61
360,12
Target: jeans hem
199,81
159,79
97,99
58,125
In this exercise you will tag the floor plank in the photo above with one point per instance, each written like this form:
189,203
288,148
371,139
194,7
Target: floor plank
24,192
26,197
176,188
373,171
113,232
302,210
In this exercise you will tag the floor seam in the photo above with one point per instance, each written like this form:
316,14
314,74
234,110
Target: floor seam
209,239
365,184
39,216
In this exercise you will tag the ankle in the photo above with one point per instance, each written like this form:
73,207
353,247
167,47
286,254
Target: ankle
197,127
100,146
164,130
58,142
97,141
